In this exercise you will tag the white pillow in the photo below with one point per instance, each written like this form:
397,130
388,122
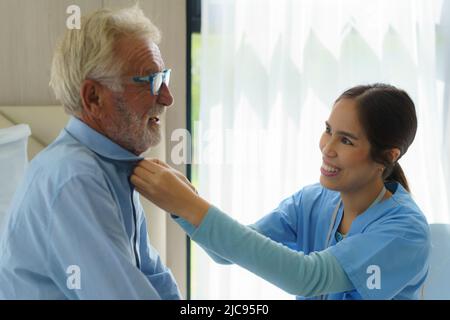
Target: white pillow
13,162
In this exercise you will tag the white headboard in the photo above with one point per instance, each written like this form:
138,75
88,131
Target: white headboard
45,122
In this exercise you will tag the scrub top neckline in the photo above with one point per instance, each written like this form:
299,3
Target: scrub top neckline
366,217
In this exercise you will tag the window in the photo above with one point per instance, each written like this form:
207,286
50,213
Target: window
270,72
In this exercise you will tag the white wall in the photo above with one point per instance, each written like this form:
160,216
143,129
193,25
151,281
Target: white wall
29,30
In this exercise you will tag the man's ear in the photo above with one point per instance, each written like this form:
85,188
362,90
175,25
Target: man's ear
91,94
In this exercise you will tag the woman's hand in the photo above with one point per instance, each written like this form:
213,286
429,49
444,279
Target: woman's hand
169,189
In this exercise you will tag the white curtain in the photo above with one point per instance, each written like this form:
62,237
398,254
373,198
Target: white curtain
270,72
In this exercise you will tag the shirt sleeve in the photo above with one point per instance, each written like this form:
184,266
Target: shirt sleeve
151,265
296,273
387,258
89,252
279,225
189,229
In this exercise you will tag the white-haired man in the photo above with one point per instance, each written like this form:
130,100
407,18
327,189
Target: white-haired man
76,228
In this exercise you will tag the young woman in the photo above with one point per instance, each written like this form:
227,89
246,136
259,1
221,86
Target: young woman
357,234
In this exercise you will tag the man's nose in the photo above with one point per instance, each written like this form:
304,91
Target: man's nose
165,96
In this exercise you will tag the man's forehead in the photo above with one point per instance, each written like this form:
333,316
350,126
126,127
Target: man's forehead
142,56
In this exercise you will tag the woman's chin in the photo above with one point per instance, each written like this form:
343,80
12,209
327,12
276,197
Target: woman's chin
326,183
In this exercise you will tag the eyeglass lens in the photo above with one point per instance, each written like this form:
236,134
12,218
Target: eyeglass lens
159,79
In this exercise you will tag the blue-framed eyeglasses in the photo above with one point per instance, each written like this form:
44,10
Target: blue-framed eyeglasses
155,80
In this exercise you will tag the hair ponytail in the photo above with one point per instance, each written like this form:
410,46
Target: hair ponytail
395,173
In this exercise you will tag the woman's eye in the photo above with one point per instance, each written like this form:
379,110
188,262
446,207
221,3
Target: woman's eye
346,141
327,130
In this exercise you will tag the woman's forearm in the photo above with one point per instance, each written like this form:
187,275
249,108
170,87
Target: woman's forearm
190,229
195,210
297,273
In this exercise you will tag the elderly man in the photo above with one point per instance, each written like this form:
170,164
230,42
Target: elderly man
76,228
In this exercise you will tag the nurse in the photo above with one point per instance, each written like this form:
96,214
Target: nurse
357,234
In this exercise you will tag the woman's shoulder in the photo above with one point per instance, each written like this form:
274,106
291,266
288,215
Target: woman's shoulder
403,214
402,202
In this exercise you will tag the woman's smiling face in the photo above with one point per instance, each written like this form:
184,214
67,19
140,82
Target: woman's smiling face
347,165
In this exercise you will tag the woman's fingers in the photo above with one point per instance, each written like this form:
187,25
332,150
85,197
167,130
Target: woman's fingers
147,169
151,166
140,191
143,174
165,165
137,181
161,163
169,190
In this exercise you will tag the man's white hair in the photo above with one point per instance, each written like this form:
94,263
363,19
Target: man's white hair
89,53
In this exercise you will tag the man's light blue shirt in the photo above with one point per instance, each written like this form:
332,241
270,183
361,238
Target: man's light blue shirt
76,228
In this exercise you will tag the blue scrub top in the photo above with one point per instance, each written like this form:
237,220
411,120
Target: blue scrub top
385,254
76,228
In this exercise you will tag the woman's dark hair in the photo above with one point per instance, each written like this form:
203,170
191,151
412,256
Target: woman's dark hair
388,117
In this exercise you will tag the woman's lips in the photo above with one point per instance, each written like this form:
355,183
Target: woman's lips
328,170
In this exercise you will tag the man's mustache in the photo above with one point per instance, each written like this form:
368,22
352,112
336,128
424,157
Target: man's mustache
157,110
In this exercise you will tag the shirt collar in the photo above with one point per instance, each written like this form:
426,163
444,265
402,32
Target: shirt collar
380,209
98,143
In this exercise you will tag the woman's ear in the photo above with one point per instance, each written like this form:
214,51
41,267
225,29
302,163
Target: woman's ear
90,93
394,154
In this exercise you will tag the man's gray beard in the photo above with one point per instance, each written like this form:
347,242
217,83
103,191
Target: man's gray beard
127,131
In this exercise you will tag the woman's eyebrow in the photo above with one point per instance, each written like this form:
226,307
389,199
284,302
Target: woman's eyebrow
344,133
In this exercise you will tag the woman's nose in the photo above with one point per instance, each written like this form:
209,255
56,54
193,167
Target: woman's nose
328,149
